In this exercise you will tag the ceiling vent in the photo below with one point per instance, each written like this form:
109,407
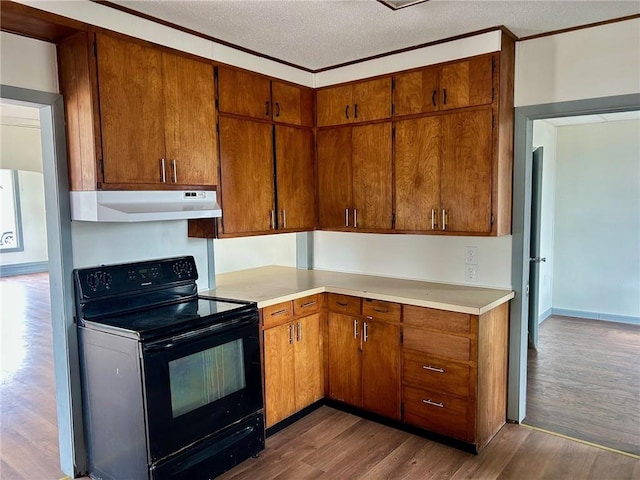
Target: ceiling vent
398,4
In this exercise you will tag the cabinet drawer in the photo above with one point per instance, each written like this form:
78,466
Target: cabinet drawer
435,374
443,320
277,314
380,310
344,304
438,344
439,413
306,305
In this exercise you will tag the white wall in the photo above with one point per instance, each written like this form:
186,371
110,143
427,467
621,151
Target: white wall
544,135
420,257
34,232
233,254
597,225
589,63
28,63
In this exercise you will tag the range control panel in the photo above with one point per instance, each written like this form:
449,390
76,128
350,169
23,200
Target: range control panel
107,280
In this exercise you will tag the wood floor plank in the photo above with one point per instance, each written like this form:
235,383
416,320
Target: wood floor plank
584,381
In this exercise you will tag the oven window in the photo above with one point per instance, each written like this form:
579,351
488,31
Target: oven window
204,377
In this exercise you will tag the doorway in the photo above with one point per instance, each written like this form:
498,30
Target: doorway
60,263
523,181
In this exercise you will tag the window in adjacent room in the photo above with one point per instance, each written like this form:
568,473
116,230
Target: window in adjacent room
10,218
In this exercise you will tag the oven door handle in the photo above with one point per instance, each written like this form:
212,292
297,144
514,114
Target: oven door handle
196,334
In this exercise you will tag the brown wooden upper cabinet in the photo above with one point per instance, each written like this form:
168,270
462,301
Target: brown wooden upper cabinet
248,190
443,172
444,87
354,102
253,95
355,177
156,122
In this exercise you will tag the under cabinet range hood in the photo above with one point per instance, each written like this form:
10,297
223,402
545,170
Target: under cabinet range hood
143,205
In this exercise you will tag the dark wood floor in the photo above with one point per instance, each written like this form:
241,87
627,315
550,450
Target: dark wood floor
584,381
326,444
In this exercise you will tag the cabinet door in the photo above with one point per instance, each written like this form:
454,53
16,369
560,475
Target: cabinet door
334,105
372,176
372,100
381,368
131,111
345,361
244,93
295,178
292,104
417,178
190,121
466,171
279,373
246,165
334,177
309,368
416,92
467,83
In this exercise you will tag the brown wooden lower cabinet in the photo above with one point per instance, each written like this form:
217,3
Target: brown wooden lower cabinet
442,371
293,366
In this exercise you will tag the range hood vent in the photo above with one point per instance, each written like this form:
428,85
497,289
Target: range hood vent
143,205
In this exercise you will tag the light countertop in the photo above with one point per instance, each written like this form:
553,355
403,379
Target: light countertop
274,284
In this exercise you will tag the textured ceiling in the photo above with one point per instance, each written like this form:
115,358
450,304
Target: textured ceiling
316,34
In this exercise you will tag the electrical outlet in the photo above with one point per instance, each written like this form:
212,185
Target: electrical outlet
471,273
472,256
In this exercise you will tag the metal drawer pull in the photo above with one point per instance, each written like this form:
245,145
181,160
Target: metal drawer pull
433,219
355,329
163,171
366,325
346,217
284,218
435,404
379,310
355,218
272,219
444,219
291,334
308,304
433,369
342,304
299,332
174,168
280,312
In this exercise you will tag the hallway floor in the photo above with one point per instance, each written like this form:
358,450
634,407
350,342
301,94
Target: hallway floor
584,382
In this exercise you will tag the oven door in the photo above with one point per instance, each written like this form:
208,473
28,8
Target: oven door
199,383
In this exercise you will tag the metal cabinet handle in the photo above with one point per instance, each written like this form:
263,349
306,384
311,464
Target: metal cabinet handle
355,218
366,331
342,304
435,404
266,108
277,109
272,221
291,334
174,169
308,304
355,110
433,97
299,332
279,312
346,112
355,328
346,217
444,219
434,224
444,96
433,369
283,214
163,172
380,310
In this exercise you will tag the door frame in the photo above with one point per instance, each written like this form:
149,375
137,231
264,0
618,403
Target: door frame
521,233
60,259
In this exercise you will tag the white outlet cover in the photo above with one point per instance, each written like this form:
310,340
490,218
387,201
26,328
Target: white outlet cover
471,273
471,257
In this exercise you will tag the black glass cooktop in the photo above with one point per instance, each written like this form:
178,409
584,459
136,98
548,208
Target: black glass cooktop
176,317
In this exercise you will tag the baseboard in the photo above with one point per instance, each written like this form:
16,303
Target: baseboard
606,317
23,268
544,315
